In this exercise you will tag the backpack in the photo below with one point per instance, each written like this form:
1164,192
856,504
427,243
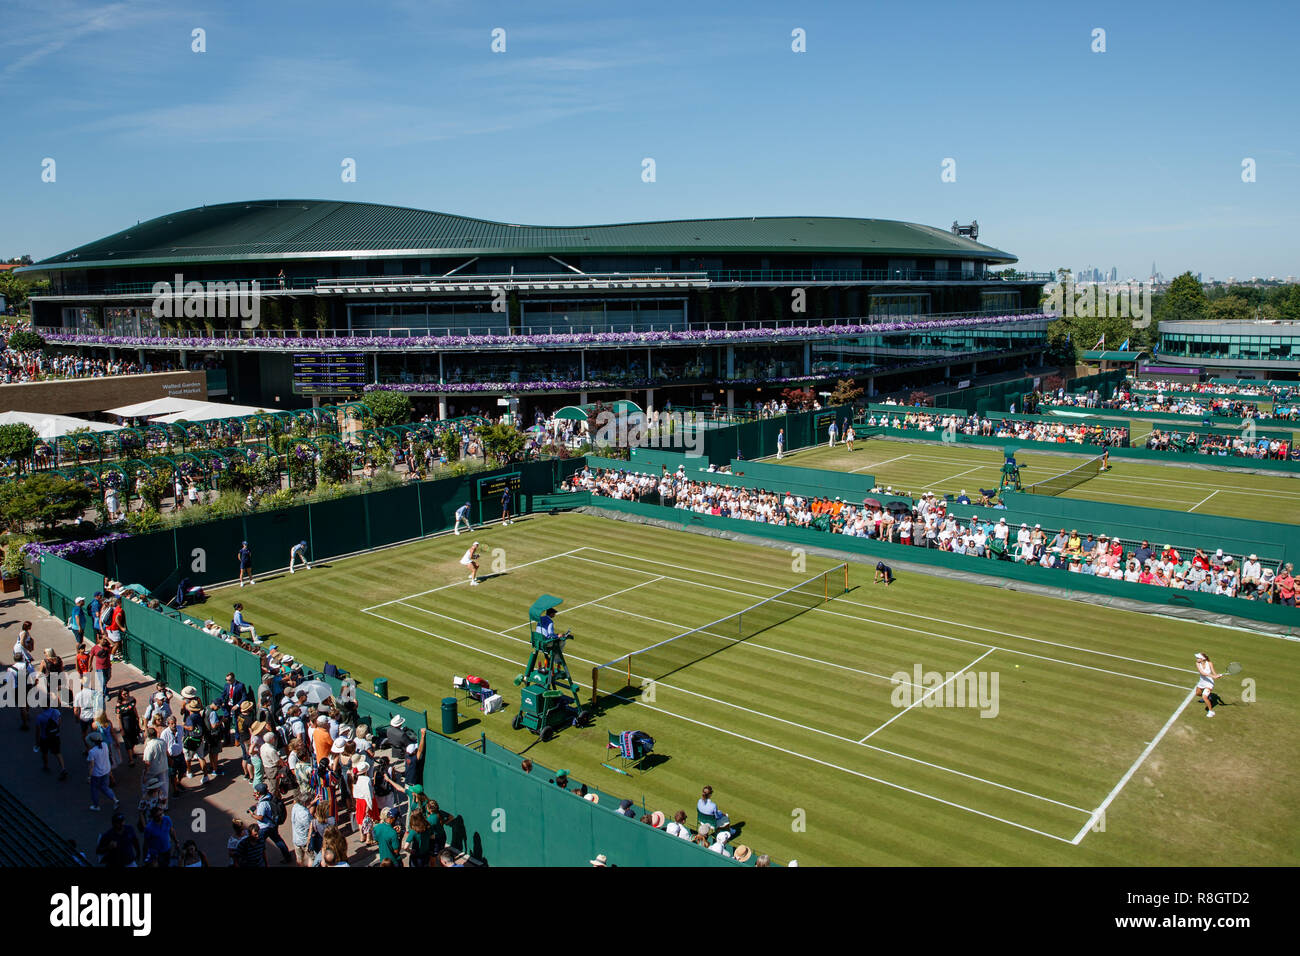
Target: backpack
286,780
278,813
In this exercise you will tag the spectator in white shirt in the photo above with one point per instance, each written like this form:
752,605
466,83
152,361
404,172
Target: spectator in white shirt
677,827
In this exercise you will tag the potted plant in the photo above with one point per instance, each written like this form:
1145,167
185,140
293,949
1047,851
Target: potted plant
11,568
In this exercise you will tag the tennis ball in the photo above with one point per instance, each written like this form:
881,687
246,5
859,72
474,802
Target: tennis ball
1017,667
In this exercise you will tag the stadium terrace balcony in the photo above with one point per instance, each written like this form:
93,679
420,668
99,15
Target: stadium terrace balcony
570,281
141,332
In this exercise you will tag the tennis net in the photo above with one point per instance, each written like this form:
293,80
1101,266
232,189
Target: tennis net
668,656
1059,484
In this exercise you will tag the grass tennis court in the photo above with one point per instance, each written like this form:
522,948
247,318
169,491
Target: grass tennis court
795,727
1140,428
943,468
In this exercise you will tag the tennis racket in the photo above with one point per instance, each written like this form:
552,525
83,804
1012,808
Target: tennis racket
1234,668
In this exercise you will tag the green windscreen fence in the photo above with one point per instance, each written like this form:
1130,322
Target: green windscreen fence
761,475
1072,417
506,817
871,550
992,397
757,439
206,553
156,642
808,482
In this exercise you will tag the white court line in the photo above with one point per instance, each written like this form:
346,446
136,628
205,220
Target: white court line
1113,477
568,610
901,627
892,753
1203,501
761,647
1096,814
465,580
763,743
855,773
725,703
878,464
932,690
912,614
936,484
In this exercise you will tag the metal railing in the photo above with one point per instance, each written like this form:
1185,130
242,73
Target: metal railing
136,328
573,280
871,275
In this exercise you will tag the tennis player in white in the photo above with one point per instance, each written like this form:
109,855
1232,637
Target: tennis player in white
470,560
462,514
1205,686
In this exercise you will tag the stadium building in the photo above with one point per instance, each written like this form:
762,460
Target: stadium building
1246,349
463,311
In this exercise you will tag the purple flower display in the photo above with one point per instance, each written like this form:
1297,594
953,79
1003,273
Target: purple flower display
507,342
543,386
71,550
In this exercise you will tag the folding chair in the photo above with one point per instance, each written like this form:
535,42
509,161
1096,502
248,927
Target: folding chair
630,752
715,820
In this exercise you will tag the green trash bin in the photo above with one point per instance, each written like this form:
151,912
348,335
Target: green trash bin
381,687
449,720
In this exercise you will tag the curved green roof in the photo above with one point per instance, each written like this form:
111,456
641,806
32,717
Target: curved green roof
316,229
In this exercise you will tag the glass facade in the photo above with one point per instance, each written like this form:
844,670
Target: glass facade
437,317
633,367
903,303
557,316
1245,347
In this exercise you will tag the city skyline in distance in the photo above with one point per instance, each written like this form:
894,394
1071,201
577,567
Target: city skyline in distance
557,126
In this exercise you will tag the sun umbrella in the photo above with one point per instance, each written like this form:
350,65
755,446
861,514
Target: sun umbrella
317,691
871,503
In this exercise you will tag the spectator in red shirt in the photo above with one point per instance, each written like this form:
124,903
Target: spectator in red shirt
116,629
1286,586
101,669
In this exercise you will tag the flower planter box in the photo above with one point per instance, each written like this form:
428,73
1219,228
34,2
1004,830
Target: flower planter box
12,584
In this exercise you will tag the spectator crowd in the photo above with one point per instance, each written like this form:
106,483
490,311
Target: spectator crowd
1210,443
1010,428
929,522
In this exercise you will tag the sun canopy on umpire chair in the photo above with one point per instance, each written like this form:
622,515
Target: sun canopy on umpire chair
541,606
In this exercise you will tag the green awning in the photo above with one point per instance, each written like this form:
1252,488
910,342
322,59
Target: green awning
580,413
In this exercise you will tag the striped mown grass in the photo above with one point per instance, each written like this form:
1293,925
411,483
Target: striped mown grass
915,467
800,730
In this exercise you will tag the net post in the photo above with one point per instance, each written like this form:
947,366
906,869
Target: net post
629,670
595,683
846,579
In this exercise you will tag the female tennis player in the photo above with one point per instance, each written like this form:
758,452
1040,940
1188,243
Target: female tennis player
470,560
1205,686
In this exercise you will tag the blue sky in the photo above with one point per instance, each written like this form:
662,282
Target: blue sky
1065,156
